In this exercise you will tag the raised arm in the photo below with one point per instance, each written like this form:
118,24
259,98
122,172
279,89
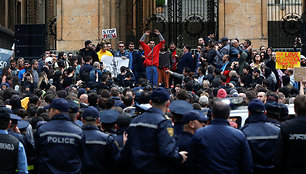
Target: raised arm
143,37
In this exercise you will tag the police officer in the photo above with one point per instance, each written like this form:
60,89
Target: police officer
178,108
291,152
191,122
100,149
220,148
59,143
262,138
15,131
108,121
150,147
12,152
123,122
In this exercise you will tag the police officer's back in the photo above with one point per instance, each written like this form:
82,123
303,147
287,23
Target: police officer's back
220,148
150,147
59,143
100,149
12,153
291,151
262,138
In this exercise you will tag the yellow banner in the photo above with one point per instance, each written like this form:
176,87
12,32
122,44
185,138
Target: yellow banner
286,60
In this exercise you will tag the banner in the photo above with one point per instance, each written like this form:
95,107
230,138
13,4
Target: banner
5,56
109,33
286,60
113,64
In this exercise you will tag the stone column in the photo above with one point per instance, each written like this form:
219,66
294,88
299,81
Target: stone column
244,19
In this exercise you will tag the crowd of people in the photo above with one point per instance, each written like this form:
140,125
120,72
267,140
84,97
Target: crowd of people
166,112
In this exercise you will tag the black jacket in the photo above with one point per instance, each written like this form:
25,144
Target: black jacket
90,52
291,151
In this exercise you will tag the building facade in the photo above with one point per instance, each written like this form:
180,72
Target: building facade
71,22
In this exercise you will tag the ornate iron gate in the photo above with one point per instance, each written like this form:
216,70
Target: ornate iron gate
284,22
180,21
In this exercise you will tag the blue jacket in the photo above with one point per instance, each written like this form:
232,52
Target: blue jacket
185,61
100,151
262,138
59,146
150,147
221,149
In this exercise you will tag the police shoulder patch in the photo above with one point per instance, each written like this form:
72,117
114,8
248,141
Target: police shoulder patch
170,131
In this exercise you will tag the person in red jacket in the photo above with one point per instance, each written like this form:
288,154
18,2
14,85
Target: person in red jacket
152,56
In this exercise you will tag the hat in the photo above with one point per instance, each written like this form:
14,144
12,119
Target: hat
15,117
109,116
224,39
4,114
81,91
59,104
256,106
22,124
221,93
160,95
180,107
203,100
73,107
90,112
190,116
203,116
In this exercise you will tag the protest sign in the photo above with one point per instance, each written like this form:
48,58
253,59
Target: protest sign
5,56
286,60
121,62
299,74
109,33
107,62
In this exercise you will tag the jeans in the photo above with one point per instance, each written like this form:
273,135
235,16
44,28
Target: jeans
152,74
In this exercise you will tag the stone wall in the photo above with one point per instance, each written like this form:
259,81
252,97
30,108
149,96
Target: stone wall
244,19
80,20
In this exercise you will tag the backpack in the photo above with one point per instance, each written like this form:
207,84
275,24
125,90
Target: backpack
84,75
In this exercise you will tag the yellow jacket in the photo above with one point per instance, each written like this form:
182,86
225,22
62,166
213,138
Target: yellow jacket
100,54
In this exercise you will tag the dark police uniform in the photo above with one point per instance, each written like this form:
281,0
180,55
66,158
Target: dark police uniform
221,149
184,143
262,138
150,147
100,150
59,143
291,151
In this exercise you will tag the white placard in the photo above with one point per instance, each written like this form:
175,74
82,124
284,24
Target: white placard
109,33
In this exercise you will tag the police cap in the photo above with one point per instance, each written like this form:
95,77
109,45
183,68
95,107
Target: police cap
160,95
15,117
90,113
59,104
203,117
180,107
190,116
256,106
109,116
22,124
